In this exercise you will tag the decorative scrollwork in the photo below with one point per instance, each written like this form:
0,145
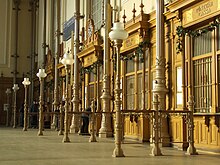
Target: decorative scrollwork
91,69
139,52
181,32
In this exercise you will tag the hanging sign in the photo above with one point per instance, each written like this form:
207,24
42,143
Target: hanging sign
68,27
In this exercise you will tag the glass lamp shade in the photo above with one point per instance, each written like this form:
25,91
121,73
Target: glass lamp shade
118,32
41,73
67,59
15,87
26,81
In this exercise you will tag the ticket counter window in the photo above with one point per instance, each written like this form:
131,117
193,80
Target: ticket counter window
130,88
202,70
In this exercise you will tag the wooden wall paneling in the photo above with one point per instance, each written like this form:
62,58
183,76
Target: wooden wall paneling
5,83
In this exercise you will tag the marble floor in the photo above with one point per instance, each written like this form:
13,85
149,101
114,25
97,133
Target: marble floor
26,148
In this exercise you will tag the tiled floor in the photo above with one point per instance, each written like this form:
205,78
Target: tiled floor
26,148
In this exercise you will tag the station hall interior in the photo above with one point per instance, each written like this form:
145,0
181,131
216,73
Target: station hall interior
126,76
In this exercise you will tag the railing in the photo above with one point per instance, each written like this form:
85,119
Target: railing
155,117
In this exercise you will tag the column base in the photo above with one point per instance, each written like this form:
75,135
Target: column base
185,146
155,151
105,133
40,133
191,150
118,152
66,139
60,132
74,129
53,126
92,138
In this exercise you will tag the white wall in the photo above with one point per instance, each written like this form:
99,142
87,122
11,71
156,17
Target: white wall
70,9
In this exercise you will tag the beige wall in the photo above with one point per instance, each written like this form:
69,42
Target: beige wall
128,6
7,37
24,38
5,29
40,31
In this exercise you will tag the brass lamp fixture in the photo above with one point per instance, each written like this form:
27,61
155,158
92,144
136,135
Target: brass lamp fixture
41,75
8,92
118,34
67,61
15,89
26,83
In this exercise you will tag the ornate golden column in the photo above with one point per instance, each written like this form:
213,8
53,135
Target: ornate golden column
92,132
191,150
184,59
61,120
105,130
74,128
155,151
58,33
159,82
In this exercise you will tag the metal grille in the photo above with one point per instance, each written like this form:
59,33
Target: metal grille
202,84
91,77
139,91
146,90
130,66
91,93
130,88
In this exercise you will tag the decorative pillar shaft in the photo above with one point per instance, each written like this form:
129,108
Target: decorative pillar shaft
191,150
15,107
155,151
8,103
187,50
105,130
61,120
93,136
40,131
56,101
159,82
75,119
25,109
66,130
118,152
